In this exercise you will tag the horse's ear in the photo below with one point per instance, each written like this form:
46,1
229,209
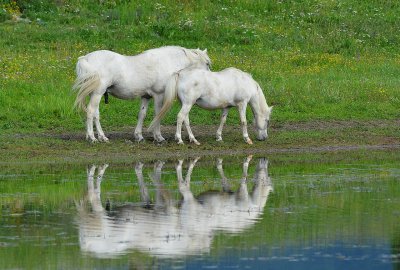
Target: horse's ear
205,51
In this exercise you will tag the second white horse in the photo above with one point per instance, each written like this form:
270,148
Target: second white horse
228,88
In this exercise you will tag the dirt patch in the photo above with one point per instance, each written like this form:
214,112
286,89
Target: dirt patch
296,137
208,131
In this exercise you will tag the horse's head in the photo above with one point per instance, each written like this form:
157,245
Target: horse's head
201,58
262,121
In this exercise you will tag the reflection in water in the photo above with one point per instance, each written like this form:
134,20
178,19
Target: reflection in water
169,229
395,256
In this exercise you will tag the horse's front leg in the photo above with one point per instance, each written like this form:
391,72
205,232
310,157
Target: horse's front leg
224,180
242,113
221,125
262,184
242,193
158,101
144,104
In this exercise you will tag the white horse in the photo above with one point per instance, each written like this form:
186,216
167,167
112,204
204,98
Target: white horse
127,77
230,87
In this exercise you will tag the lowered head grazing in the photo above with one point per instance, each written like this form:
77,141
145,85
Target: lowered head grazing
262,124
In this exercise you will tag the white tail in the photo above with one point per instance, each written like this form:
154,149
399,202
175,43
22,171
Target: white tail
86,82
170,93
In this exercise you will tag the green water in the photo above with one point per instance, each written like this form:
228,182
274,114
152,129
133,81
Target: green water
320,211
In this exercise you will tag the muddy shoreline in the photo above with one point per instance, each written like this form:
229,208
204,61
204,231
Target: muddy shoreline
285,138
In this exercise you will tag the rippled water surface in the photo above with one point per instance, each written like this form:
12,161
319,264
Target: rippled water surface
212,213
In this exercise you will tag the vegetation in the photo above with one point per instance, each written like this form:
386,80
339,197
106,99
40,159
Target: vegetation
314,59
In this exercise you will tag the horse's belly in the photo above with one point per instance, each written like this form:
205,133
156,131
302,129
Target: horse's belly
125,93
212,104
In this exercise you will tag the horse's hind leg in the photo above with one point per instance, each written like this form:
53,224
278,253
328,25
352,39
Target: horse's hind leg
144,104
94,115
183,113
158,102
184,185
221,125
189,130
100,132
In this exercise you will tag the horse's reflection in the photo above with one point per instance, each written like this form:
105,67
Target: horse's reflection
167,228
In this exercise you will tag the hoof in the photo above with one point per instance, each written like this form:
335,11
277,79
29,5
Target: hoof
160,142
195,160
180,142
159,138
93,140
180,162
219,139
159,163
139,139
249,141
219,161
103,167
139,166
103,139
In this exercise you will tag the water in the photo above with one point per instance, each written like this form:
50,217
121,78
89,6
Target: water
212,213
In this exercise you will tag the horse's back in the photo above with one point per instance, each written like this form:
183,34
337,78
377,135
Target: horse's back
101,55
103,59
164,49
235,73
166,59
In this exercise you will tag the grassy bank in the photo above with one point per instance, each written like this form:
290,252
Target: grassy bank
314,60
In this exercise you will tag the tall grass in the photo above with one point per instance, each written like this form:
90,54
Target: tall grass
314,59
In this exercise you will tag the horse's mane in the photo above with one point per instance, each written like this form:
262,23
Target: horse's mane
262,100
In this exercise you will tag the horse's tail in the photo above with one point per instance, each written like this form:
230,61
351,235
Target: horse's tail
87,81
170,93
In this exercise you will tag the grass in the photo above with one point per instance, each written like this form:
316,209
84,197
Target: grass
314,60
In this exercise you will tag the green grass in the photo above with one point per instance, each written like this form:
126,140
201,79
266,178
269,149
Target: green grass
313,59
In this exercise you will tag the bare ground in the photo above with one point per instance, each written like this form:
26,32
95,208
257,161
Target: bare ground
288,137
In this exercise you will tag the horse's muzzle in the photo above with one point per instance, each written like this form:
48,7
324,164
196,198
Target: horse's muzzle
262,135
